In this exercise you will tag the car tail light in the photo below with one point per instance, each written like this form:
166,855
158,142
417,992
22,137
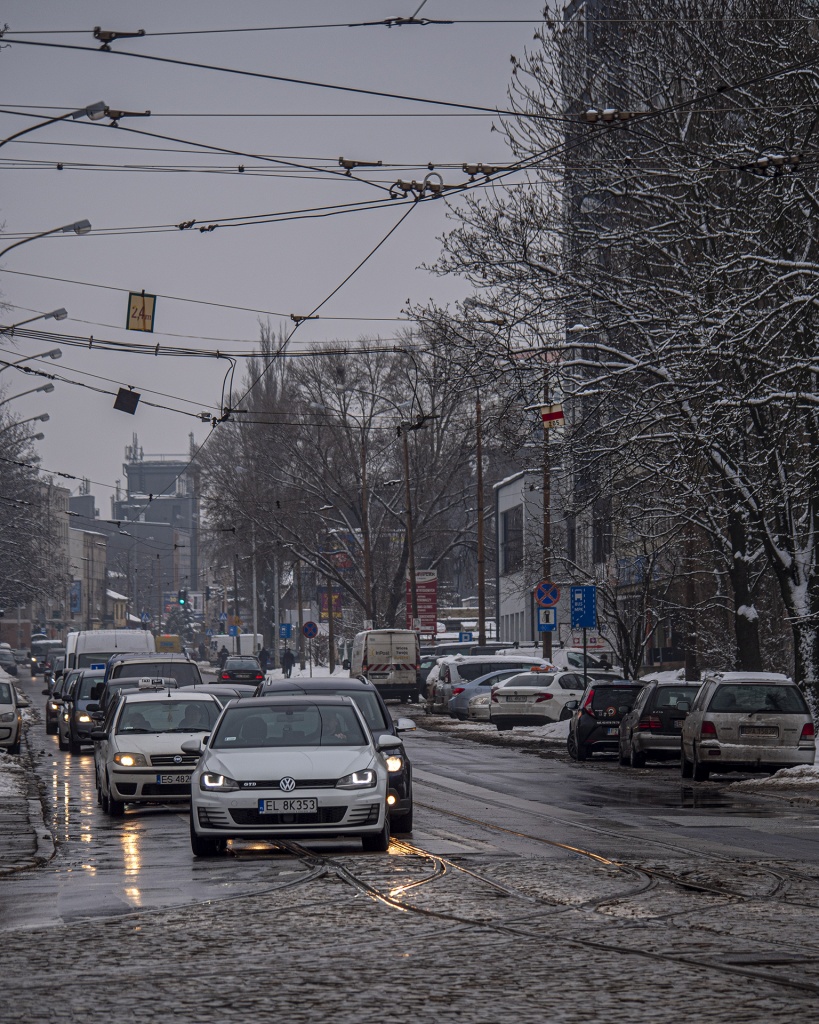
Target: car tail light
808,732
259,675
651,722
226,675
587,707
708,729
543,696
457,689
493,695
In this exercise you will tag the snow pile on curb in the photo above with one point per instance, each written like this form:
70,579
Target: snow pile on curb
13,780
520,735
802,777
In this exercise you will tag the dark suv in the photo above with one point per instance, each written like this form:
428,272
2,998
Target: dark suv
595,723
169,666
80,700
372,706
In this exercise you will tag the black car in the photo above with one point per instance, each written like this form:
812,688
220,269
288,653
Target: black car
239,668
653,728
595,723
372,706
80,700
54,703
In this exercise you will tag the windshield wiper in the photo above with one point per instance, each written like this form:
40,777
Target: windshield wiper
761,711
185,728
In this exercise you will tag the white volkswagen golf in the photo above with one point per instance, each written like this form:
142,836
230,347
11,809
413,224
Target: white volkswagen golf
288,768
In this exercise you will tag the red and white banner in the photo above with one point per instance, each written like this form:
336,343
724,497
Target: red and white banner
427,592
552,415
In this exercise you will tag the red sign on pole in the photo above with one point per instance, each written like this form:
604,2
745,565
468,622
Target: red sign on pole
426,582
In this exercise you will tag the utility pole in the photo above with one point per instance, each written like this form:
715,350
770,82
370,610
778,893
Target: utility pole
255,594
236,601
404,428
481,567
547,518
300,640
331,627
365,535
276,607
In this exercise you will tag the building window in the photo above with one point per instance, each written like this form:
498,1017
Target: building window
512,540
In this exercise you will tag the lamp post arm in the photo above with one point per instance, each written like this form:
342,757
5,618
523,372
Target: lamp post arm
35,127
31,238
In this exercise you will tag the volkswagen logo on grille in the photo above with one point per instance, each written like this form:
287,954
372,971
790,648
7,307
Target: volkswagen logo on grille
177,759
287,785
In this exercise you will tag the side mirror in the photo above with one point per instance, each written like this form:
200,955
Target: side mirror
98,734
388,742
572,705
92,707
683,705
23,703
97,716
405,725
46,693
193,746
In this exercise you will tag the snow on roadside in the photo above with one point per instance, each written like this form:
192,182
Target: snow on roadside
13,780
802,778
519,736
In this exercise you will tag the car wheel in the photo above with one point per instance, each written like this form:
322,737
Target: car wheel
503,726
699,771
74,747
15,748
379,842
60,741
636,758
571,746
401,822
51,728
686,768
582,753
103,801
202,847
621,757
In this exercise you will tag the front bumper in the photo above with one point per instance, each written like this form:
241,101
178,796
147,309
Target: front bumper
339,812
753,757
146,785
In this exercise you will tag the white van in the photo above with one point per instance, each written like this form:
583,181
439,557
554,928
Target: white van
390,659
95,646
242,643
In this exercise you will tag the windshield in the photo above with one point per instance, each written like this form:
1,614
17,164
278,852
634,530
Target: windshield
167,716
367,703
7,657
670,696
242,664
304,725
614,696
183,672
744,698
5,693
90,688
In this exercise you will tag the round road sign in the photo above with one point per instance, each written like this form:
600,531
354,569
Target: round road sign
547,594
310,629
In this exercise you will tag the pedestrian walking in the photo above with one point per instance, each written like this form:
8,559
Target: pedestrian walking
287,662
223,656
264,658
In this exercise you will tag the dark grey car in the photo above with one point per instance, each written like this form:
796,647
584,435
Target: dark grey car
653,727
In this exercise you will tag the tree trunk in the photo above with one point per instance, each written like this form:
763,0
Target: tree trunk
746,620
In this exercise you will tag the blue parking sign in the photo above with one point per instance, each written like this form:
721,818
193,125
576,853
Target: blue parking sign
285,630
583,601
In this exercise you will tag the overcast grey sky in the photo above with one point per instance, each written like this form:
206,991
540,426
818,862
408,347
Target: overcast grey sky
281,268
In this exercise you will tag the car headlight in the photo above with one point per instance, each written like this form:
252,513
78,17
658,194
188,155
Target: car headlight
358,780
395,763
83,718
65,716
223,783
130,760
54,707
7,717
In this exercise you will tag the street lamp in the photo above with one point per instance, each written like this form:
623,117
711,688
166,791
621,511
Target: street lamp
45,388
42,418
55,314
94,112
79,227
53,353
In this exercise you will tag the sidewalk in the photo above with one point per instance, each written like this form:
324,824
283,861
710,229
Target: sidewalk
25,839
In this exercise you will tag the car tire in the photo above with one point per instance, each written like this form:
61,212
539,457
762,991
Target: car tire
73,746
51,730
378,843
103,801
402,822
503,727
623,759
15,748
61,742
582,753
686,768
571,746
202,847
699,771
636,758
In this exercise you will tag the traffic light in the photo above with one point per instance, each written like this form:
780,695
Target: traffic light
182,597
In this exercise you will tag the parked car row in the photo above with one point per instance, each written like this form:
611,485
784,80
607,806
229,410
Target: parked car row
731,721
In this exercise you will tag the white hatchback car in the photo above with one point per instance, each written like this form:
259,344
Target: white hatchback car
533,698
11,719
290,767
138,751
746,721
